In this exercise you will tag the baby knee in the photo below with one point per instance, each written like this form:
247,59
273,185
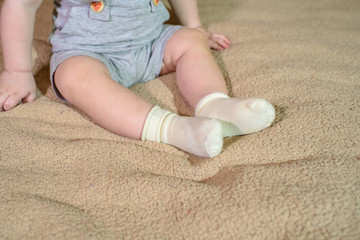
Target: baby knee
64,76
193,37
68,74
77,69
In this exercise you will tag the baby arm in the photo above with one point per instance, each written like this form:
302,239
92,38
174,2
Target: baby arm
17,26
187,12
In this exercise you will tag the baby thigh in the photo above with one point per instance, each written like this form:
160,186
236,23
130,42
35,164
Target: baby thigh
86,83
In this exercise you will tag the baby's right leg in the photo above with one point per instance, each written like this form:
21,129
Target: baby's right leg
86,83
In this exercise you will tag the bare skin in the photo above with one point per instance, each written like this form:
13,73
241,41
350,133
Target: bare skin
102,98
80,77
86,83
17,26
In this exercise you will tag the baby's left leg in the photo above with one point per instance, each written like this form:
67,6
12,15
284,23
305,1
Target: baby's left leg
201,83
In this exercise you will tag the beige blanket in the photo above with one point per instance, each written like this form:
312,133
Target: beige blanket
63,177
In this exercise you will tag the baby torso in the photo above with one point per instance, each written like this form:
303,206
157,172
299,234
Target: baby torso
106,26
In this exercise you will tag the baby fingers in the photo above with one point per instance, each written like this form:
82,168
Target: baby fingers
10,102
29,98
219,42
16,87
3,97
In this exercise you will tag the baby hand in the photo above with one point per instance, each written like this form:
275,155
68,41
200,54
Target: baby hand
216,41
16,87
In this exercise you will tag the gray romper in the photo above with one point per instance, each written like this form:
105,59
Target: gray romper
128,36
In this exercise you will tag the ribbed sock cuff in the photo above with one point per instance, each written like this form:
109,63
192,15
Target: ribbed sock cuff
153,124
208,98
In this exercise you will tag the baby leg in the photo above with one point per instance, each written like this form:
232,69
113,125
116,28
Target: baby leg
201,83
86,83
238,116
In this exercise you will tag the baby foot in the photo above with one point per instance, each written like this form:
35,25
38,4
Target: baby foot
197,135
237,116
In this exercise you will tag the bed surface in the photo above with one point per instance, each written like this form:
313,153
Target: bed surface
63,177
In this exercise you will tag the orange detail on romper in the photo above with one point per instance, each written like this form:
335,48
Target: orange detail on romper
97,6
156,2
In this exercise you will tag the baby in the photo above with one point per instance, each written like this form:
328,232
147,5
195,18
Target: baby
100,48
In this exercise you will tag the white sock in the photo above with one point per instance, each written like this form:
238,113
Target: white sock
237,116
197,135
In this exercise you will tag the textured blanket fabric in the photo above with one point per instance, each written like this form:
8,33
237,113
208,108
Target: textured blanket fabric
63,177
